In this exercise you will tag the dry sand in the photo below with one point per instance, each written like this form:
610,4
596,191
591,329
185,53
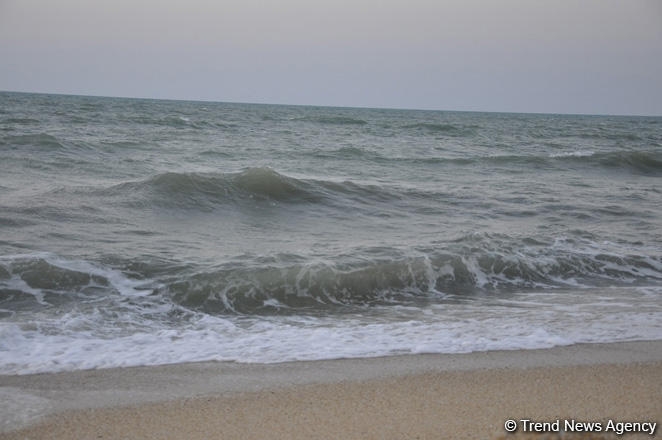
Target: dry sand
406,397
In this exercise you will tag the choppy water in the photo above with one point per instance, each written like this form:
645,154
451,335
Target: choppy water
138,232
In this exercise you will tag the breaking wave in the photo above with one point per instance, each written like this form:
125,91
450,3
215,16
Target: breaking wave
401,280
296,283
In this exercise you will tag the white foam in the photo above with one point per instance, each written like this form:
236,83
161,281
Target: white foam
16,283
573,154
123,285
134,328
517,322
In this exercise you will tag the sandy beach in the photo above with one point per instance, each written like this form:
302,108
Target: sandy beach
403,397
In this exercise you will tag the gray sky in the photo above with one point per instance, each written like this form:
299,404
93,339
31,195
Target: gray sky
566,56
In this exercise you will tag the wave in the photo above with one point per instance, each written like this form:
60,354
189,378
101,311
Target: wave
207,190
295,284
21,121
637,162
253,185
42,141
135,321
348,153
645,162
403,280
572,154
176,122
46,143
43,279
447,129
333,120
607,135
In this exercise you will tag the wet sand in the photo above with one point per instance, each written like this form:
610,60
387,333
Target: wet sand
403,397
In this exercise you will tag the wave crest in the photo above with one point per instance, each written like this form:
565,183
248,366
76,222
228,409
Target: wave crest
262,289
645,162
265,182
41,141
198,190
292,283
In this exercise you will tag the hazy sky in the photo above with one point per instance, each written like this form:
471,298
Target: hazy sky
567,56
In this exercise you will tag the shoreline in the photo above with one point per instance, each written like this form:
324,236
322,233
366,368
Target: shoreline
424,394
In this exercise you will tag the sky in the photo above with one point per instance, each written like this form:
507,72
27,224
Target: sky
549,56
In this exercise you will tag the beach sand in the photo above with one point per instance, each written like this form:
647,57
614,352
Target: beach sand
404,397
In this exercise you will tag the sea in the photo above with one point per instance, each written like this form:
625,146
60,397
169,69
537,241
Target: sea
145,232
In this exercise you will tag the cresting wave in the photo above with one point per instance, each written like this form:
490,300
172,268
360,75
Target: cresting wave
205,190
55,319
298,284
254,185
44,279
401,279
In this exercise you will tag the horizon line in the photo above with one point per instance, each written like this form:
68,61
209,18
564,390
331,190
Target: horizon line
332,106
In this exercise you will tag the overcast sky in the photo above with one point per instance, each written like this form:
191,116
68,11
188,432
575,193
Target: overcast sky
558,56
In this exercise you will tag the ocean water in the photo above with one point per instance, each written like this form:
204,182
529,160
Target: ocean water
141,232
